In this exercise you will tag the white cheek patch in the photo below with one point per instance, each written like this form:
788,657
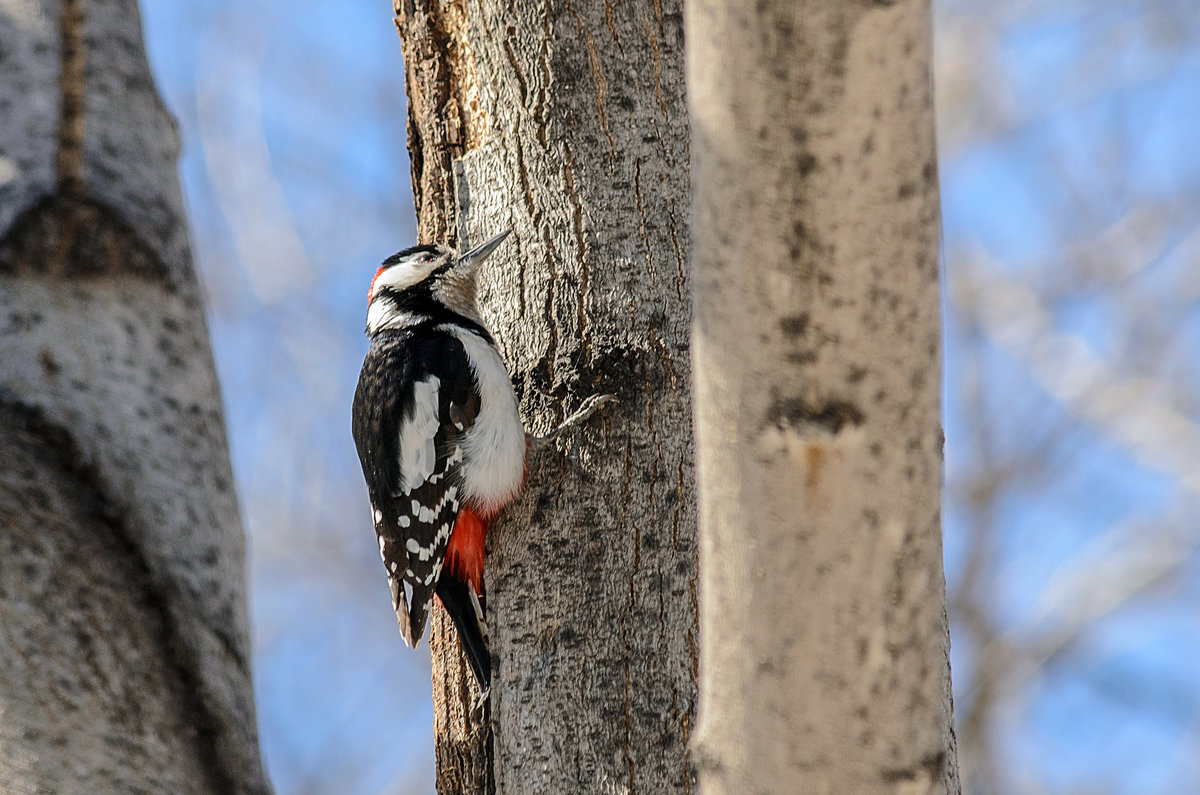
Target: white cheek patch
418,454
382,313
406,274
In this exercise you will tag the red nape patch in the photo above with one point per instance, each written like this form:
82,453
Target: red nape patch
371,292
464,553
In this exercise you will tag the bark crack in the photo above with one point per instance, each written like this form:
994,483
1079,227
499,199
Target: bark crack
530,207
539,110
831,416
641,208
608,18
676,515
664,354
72,84
585,332
522,85
627,706
680,277
551,326
598,77
658,71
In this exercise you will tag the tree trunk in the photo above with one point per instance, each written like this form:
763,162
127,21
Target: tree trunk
566,122
816,355
124,649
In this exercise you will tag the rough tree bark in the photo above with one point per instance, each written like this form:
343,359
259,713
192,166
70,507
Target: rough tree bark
566,121
124,650
816,355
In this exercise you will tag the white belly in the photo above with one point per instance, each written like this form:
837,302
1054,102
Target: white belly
494,448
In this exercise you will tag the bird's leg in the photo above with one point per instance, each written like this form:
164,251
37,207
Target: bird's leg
581,415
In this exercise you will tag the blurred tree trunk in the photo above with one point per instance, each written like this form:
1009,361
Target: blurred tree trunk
816,353
567,122
124,650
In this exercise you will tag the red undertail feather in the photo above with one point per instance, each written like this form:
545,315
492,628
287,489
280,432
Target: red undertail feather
464,553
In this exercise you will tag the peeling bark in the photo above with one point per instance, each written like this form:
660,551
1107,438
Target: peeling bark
124,654
825,655
567,123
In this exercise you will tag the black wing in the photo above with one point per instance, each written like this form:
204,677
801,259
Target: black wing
416,397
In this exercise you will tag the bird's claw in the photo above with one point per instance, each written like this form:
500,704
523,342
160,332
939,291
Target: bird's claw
585,411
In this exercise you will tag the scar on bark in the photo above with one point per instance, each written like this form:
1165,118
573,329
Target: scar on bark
831,416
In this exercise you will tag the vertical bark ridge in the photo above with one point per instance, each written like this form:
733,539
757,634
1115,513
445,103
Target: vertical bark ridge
446,117
445,120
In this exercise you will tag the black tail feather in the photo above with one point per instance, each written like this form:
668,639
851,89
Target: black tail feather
458,600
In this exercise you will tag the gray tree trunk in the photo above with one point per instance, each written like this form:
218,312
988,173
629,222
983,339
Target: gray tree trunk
567,122
124,650
824,662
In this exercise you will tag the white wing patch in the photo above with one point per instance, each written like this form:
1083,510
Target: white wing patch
418,454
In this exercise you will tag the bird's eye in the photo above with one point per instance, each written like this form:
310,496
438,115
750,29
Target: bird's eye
427,258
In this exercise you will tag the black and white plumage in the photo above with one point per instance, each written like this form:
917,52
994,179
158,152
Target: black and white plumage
439,438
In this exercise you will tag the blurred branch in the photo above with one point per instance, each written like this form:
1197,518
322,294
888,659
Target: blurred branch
1130,410
239,165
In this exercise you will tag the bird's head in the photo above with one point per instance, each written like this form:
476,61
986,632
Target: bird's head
411,283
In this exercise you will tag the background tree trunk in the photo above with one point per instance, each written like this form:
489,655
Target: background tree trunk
124,650
566,122
816,353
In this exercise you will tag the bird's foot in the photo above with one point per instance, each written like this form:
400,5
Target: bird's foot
581,415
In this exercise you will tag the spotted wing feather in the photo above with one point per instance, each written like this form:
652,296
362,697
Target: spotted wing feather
416,397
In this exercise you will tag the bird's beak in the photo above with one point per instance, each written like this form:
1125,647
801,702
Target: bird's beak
477,255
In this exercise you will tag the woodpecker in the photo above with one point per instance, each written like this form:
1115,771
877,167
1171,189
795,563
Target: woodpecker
439,437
